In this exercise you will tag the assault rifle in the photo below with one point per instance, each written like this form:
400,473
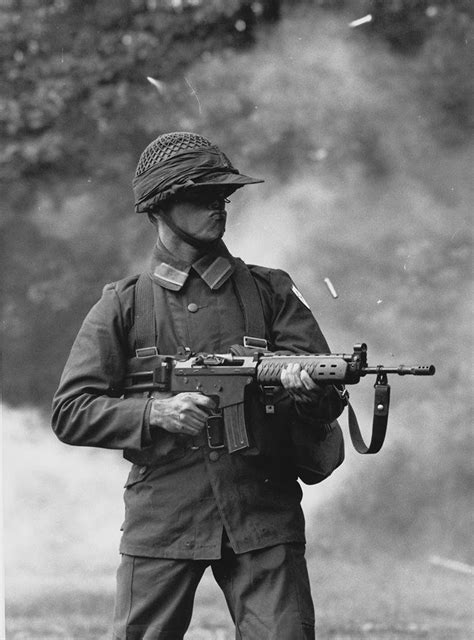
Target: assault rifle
225,377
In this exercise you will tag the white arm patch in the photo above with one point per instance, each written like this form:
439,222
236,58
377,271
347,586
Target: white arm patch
299,295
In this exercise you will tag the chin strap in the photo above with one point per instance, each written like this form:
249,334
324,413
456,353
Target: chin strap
186,237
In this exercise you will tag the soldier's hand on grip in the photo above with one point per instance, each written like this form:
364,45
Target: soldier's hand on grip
184,413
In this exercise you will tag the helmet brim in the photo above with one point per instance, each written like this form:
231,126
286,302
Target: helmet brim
221,178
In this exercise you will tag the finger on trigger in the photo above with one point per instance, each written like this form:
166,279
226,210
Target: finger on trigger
205,401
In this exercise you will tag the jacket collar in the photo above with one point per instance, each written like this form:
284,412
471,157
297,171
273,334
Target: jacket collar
171,272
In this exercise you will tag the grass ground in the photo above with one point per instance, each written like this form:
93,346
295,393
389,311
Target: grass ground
384,598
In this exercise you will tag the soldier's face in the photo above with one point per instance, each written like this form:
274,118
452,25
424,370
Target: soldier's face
201,214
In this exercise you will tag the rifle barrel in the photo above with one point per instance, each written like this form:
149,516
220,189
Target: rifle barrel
403,370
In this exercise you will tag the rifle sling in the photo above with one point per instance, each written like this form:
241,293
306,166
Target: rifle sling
249,300
379,422
144,313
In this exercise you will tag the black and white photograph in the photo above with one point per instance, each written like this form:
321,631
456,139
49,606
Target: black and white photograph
237,336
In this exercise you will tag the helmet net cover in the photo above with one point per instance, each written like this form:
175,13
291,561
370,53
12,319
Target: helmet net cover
168,145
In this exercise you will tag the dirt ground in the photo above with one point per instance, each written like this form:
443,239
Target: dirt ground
384,598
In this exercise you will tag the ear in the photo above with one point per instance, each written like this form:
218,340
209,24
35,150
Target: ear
153,217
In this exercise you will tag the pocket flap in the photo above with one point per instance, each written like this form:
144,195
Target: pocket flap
137,474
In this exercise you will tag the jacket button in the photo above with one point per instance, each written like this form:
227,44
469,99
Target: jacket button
192,307
214,456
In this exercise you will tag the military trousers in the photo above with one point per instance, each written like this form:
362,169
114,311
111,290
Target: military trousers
267,592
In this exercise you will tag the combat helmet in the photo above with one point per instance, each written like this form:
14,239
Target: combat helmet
182,161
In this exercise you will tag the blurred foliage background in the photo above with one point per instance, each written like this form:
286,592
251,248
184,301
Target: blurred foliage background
364,138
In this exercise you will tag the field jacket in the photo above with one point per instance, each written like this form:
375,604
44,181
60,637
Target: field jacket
178,504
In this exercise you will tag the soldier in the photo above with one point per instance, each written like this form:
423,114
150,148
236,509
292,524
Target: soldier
189,504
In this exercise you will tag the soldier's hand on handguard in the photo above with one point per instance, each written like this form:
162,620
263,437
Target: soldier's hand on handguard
184,413
300,385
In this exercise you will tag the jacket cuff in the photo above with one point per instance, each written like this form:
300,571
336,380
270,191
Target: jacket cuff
146,428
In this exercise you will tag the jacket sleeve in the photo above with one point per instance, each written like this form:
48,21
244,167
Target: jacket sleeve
293,329
88,409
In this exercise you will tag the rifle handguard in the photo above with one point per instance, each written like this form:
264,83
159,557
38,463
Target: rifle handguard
323,368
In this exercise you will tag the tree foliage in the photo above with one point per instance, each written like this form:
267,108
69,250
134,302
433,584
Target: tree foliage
74,75
73,71
77,109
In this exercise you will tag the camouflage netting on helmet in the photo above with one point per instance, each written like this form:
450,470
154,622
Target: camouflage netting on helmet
181,161
167,146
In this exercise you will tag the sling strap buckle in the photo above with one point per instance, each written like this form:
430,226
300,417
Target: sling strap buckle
255,343
146,352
